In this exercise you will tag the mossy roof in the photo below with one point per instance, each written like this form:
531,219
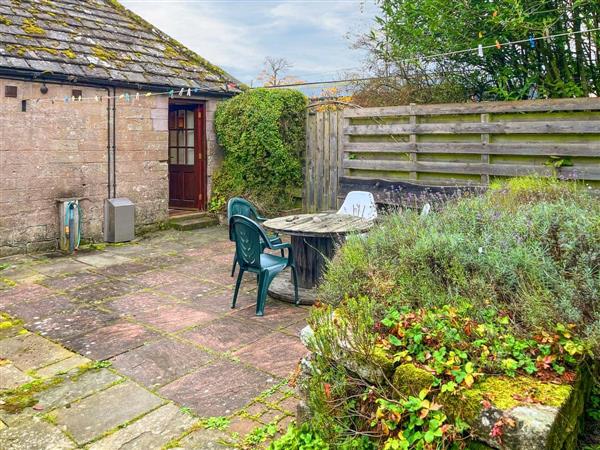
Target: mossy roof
100,40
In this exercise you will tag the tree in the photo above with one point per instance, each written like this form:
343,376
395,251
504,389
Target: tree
408,32
274,70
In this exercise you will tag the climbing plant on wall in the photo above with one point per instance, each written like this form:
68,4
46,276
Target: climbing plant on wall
262,134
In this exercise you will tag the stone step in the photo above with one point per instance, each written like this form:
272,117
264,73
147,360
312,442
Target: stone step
189,215
193,223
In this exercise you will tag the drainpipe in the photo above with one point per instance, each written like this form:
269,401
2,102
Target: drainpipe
108,168
114,142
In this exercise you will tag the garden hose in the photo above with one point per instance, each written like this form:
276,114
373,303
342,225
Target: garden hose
74,241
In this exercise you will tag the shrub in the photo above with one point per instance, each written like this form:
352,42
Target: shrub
529,247
262,133
506,284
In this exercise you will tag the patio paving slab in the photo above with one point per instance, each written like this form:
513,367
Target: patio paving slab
277,314
98,292
52,267
71,281
219,302
219,388
71,323
276,353
93,416
189,289
23,293
30,351
152,431
226,334
34,435
205,440
75,387
160,312
126,269
159,278
160,362
96,259
110,340
163,260
71,389
62,366
161,315
11,377
41,307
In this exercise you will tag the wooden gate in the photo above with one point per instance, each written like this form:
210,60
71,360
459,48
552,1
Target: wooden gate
324,156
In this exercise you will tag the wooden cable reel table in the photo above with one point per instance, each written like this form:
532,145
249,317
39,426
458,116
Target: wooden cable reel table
314,238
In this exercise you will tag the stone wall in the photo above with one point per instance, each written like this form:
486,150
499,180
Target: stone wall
57,149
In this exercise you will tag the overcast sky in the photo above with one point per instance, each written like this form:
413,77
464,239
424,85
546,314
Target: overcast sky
237,35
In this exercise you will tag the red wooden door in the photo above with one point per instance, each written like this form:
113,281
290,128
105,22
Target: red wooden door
187,173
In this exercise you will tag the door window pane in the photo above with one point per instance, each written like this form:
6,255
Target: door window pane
172,155
173,138
190,138
189,119
181,138
190,156
181,155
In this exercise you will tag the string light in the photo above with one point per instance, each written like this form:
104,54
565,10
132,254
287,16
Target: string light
445,54
479,50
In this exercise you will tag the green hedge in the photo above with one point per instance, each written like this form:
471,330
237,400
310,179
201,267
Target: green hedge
262,133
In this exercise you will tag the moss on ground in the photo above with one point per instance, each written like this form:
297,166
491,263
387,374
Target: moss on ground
17,399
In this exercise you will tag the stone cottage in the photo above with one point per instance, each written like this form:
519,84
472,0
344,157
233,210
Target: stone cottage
96,103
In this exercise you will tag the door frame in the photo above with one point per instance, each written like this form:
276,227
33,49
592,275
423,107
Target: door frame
200,162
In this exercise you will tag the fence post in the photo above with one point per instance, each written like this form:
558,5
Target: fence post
341,138
309,181
485,157
326,155
319,185
333,158
413,142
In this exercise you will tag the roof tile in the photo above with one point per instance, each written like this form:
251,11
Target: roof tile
99,39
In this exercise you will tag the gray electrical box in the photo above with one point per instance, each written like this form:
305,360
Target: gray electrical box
119,214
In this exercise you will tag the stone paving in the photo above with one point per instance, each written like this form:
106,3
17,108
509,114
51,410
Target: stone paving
136,347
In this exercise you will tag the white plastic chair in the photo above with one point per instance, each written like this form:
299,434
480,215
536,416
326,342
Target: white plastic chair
359,204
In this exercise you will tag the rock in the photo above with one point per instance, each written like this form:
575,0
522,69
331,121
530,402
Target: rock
376,368
306,334
552,422
303,413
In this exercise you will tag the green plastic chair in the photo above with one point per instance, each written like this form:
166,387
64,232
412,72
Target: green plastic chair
250,241
242,207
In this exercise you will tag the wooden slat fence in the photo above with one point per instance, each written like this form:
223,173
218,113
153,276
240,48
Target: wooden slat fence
324,133
450,145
